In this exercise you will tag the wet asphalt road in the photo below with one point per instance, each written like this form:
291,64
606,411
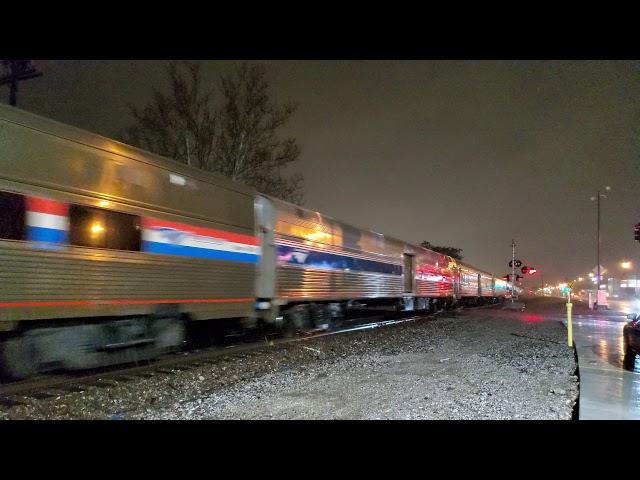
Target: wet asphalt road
609,388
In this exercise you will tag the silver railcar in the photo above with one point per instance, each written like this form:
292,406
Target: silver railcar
106,250
91,229
310,258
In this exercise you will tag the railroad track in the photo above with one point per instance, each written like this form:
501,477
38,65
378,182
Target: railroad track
55,385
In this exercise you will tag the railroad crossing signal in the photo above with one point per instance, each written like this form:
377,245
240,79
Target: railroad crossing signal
636,230
518,263
508,278
529,270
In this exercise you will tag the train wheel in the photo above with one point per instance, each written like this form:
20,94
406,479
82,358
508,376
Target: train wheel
336,313
296,318
18,358
171,334
320,316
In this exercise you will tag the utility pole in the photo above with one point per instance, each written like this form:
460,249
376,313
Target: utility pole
19,70
597,199
598,245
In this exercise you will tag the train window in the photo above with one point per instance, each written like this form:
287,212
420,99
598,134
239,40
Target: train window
99,228
12,216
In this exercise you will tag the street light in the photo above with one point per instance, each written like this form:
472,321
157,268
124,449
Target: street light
625,265
597,199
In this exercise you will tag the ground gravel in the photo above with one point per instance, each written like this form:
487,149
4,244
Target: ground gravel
475,364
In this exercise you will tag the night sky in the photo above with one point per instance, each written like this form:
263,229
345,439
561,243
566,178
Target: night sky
468,154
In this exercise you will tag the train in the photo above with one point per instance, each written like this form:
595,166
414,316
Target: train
109,252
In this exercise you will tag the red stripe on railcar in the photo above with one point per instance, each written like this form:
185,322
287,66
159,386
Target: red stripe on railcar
148,222
43,205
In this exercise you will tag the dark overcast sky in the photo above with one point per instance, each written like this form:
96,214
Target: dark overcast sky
469,154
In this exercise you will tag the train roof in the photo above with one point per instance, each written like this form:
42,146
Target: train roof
94,140
75,134
333,219
342,223
464,264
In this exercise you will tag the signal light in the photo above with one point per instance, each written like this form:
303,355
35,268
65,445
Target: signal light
508,278
637,232
529,270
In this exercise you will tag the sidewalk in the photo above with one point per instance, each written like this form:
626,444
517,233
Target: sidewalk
607,390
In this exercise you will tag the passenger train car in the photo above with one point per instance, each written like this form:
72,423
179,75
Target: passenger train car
107,251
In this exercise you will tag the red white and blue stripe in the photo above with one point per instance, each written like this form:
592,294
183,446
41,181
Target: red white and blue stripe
170,238
47,220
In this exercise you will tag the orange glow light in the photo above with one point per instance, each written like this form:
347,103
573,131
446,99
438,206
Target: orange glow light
97,229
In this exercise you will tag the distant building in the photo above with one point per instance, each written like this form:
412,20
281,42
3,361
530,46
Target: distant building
629,286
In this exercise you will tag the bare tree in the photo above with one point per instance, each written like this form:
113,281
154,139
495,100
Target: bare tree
180,124
248,148
238,139
451,251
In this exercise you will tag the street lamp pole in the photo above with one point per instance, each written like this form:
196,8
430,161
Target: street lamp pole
598,245
597,199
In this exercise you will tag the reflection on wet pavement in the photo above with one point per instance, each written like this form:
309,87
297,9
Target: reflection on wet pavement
609,386
613,352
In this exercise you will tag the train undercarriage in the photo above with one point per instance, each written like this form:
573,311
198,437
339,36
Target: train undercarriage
68,345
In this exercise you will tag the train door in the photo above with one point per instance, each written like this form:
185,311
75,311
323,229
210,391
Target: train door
266,269
408,268
456,282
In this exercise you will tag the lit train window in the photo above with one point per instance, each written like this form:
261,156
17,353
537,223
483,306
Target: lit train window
99,228
12,216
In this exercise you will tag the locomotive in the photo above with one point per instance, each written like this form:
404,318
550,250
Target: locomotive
107,252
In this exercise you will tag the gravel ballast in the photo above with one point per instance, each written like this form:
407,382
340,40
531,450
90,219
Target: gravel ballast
477,364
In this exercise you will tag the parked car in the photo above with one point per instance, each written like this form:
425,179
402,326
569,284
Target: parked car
631,339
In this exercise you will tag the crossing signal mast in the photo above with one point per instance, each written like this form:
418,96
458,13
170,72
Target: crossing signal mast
513,264
508,278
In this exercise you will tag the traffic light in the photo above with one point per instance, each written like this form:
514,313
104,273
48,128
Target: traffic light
637,232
